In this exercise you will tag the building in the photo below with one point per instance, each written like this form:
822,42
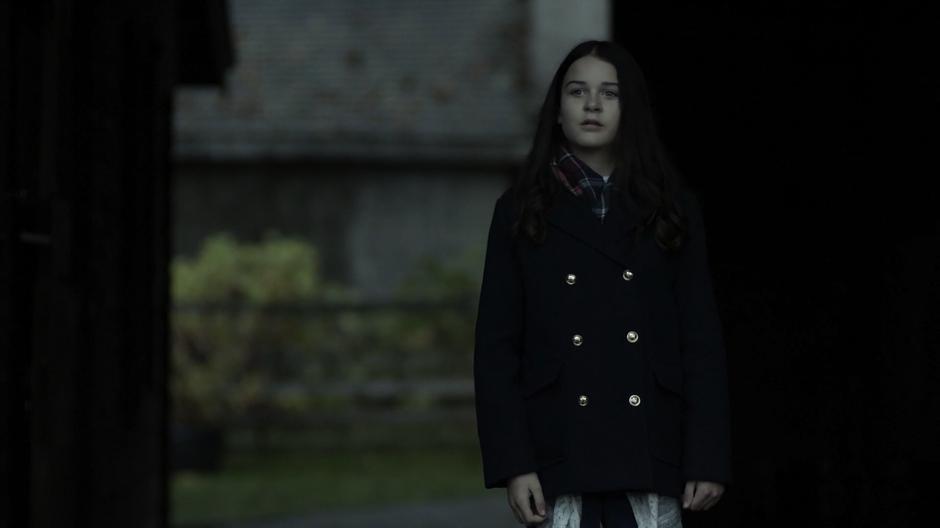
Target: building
381,131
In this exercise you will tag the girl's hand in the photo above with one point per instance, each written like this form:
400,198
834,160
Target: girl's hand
701,495
525,498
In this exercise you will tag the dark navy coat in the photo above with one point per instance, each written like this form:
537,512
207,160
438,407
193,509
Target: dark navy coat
599,359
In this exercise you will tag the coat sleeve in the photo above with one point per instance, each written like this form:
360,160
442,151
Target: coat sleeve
706,428
501,425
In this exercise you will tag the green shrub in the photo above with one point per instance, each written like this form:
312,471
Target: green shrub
245,363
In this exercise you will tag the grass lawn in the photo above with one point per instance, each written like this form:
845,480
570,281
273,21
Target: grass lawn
294,479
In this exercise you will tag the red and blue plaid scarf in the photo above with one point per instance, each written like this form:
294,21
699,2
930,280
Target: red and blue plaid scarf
582,181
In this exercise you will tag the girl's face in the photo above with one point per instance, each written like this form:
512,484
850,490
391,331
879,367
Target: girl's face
589,92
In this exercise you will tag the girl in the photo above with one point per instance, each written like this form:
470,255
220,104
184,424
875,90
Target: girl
599,362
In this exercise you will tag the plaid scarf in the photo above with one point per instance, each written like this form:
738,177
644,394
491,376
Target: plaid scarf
582,181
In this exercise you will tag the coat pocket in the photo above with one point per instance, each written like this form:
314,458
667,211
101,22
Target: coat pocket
545,419
669,376
538,374
666,414
541,383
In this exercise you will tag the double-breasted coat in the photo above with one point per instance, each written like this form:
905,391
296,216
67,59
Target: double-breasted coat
599,359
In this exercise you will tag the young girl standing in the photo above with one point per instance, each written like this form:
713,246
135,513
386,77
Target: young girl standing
599,361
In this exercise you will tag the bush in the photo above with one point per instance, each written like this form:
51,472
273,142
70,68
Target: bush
225,359
243,362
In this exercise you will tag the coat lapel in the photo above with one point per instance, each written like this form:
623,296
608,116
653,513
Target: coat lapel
573,215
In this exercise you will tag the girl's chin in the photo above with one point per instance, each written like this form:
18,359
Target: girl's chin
589,144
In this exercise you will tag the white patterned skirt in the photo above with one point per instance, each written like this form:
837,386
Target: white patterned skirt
651,510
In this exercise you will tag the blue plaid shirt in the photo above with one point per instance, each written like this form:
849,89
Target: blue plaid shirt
582,180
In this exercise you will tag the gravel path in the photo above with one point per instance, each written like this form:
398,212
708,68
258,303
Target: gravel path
490,510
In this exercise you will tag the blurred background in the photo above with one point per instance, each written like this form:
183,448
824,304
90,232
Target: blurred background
241,245
331,202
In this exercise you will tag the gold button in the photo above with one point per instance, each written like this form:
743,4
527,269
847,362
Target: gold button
582,400
627,274
570,279
634,400
577,340
632,336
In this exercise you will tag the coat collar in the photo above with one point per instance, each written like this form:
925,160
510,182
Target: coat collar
573,215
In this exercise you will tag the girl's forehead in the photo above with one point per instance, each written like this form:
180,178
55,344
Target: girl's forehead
592,70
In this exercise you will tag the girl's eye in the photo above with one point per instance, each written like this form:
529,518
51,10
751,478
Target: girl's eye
577,91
